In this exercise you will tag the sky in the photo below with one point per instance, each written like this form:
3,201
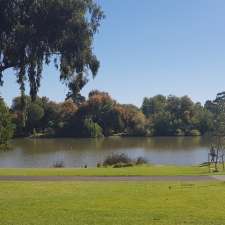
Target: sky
150,47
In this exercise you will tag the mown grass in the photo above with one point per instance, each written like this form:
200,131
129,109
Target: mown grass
146,170
112,203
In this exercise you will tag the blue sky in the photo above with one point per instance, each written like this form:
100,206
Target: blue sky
149,47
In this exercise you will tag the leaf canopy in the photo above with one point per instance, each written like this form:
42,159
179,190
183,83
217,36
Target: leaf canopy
36,32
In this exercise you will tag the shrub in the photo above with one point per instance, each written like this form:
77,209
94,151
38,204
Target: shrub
59,164
120,165
141,161
117,159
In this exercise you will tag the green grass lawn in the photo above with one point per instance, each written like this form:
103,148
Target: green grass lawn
128,171
112,203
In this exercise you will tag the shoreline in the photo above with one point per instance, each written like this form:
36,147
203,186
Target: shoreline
139,171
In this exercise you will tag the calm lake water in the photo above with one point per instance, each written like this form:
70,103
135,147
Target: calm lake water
78,152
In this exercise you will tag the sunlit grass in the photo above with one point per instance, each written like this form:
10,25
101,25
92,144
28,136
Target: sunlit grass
112,203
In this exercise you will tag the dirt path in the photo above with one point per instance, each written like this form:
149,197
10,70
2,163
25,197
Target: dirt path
112,178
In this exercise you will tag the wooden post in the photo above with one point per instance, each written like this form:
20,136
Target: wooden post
209,163
223,161
216,162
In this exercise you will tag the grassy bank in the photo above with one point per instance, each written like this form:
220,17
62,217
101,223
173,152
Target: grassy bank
128,171
120,203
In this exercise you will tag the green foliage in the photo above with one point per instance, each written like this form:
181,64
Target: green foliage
134,120
153,105
220,115
162,124
203,120
176,116
91,129
101,115
52,115
100,108
6,127
33,33
34,114
74,89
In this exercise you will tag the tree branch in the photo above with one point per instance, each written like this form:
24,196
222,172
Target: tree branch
5,66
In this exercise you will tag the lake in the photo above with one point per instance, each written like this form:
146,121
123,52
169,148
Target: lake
78,152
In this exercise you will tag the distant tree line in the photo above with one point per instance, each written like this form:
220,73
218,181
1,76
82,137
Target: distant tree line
176,116
97,116
100,115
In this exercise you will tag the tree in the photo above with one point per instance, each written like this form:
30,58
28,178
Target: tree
29,118
33,33
68,108
217,110
19,107
163,124
219,122
42,115
91,129
153,105
99,107
134,120
210,106
6,127
35,113
52,115
74,89
99,111
202,119
217,107
176,116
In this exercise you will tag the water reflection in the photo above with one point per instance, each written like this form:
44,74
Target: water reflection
77,152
